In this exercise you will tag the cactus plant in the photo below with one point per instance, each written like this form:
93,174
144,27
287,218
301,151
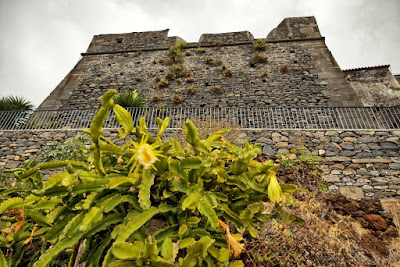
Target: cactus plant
110,202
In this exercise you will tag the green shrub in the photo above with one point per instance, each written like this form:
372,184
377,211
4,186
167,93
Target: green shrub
209,60
15,103
175,52
260,45
75,148
201,50
129,99
148,202
179,70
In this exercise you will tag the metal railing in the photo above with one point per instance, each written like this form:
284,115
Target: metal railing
316,118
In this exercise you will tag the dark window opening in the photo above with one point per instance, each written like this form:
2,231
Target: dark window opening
119,40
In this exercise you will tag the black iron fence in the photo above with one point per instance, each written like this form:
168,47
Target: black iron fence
317,118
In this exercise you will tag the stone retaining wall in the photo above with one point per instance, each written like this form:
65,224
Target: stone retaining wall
356,163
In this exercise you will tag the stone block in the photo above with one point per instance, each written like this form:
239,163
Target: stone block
352,192
331,178
372,160
331,133
337,159
367,139
389,146
394,166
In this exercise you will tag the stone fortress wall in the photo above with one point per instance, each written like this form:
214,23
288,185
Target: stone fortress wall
358,164
300,71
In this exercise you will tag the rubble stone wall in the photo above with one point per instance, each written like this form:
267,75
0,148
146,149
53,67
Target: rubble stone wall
375,86
356,163
296,69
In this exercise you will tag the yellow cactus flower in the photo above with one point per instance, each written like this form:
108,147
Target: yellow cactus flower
274,189
144,154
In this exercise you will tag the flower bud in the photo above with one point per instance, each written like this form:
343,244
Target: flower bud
274,189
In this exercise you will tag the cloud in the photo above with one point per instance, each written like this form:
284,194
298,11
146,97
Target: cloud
42,39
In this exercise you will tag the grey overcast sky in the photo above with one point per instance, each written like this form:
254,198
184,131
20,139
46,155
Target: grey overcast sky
41,40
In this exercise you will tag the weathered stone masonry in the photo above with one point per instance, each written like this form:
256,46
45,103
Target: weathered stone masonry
137,60
356,163
300,72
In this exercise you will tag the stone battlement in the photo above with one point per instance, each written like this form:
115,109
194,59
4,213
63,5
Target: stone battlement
289,29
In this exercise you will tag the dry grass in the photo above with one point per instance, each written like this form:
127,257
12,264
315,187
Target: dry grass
259,58
393,206
210,125
170,76
284,69
326,239
191,90
177,99
216,89
156,98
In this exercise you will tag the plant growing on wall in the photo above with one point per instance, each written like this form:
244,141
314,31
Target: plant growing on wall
175,53
191,90
216,89
259,58
284,69
260,45
218,45
201,50
170,76
163,83
156,98
129,99
217,62
157,78
110,205
179,70
209,60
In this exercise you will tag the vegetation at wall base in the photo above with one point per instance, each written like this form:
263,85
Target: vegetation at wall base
147,202
75,148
